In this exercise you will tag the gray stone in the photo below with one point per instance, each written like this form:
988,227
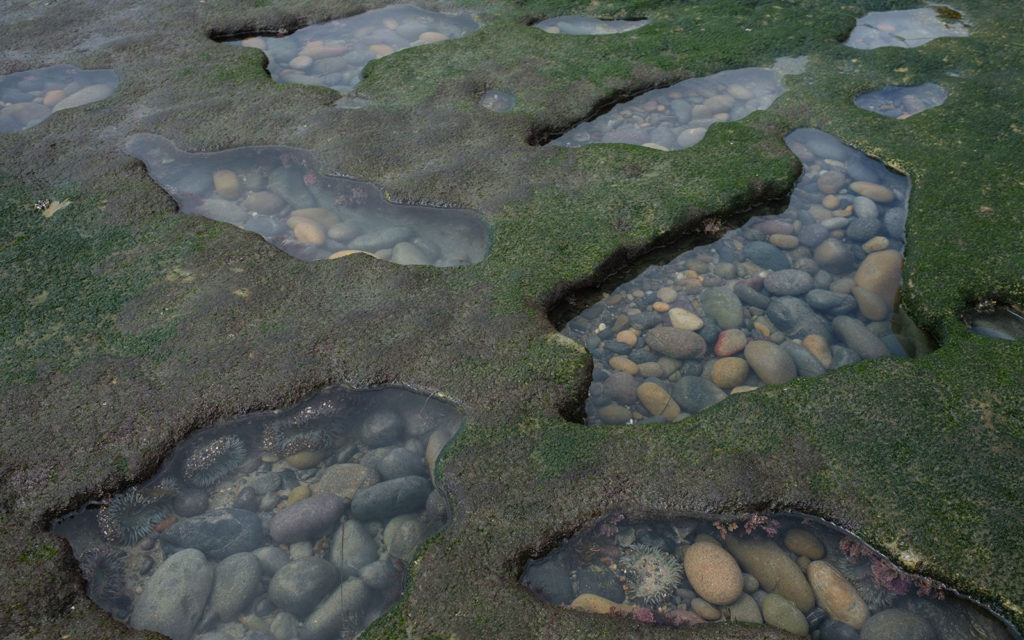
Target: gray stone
796,318
896,624
352,548
390,498
190,502
342,609
811,235
288,184
218,533
865,207
751,297
403,536
601,581
770,362
783,614
675,343
306,519
381,239
863,229
693,393
271,559
834,256
285,626
400,462
835,630
895,220
788,282
722,304
301,584
807,365
381,574
173,598
236,581
766,255
859,338
830,301
842,356
265,482
620,386
745,609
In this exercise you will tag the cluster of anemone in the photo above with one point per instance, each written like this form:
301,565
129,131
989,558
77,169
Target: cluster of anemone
286,439
210,462
103,570
130,517
652,574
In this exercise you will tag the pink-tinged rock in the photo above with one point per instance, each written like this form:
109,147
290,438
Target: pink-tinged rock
730,341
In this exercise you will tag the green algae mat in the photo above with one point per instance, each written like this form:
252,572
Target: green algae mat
127,325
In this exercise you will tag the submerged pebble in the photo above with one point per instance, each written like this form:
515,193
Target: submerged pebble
329,562
29,97
783,296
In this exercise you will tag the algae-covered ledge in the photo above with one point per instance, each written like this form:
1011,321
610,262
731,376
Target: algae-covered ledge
127,325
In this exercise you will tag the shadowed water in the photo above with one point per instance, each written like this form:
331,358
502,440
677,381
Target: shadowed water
993,320
677,117
277,193
334,53
300,519
587,26
902,102
797,294
908,28
29,97
790,571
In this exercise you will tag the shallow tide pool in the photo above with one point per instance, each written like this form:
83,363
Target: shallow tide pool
787,570
30,97
299,522
277,193
907,28
587,26
334,53
678,117
902,102
811,289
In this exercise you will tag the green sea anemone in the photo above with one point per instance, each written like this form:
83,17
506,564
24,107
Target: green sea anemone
652,574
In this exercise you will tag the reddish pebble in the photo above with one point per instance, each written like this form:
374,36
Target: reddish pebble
729,342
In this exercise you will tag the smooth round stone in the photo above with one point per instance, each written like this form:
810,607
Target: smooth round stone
667,295
804,543
876,192
306,519
173,598
877,243
870,304
382,429
284,626
344,480
218,533
729,342
722,304
657,400
796,318
788,282
836,595
624,364
353,547
309,231
382,574
830,202
403,535
401,462
298,494
683,319
834,256
408,253
862,229
774,226
859,338
83,96
390,498
620,386
865,207
784,241
190,502
729,372
271,559
746,609
811,235
705,609
807,366
226,183
347,603
713,573
831,181
774,569
694,393
675,343
593,603
819,347
222,211
766,256
300,585
750,297
614,414
880,273
896,624
236,581
627,337
651,370
783,614
770,362
830,301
